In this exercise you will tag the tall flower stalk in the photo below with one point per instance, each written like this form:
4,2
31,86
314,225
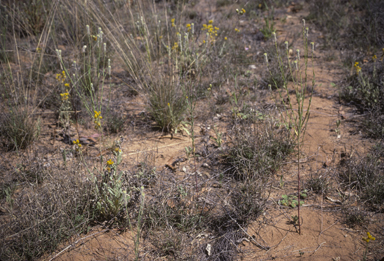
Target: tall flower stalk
296,119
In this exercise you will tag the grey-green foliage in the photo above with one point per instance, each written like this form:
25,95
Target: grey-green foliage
112,196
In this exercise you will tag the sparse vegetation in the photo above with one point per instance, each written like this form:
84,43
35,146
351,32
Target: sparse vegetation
171,122
364,175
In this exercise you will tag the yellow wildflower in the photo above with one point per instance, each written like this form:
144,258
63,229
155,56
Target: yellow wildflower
169,104
66,85
77,142
243,10
97,115
368,238
357,67
374,57
94,37
225,38
210,21
64,96
61,77
110,162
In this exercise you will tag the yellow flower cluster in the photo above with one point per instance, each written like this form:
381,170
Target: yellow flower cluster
357,67
368,238
64,96
240,12
78,145
117,150
175,46
237,30
97,117
374,57
189,28
211,30
109,164
173,22
61,77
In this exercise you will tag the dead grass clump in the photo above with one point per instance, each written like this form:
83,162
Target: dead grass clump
354,217
318,185
39,217
18,130
175,208
258,149
365,176
169,243
227,224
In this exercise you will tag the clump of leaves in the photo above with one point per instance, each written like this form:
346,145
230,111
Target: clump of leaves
291,200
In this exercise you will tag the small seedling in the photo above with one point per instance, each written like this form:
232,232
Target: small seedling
218,138
188,151
295,219
290,200
304,194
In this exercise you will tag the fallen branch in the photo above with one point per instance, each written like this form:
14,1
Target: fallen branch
77,241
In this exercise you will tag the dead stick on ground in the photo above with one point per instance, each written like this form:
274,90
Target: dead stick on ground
318,247
328,227
73,244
